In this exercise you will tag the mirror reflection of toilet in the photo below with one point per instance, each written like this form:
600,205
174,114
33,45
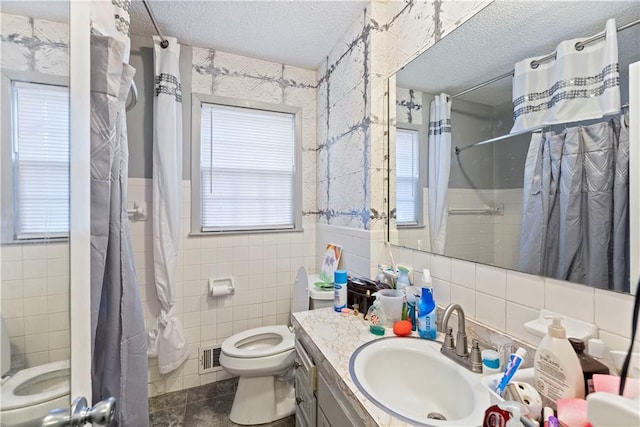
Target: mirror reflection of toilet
263,359
28,395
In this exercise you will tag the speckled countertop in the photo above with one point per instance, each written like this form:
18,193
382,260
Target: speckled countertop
336,337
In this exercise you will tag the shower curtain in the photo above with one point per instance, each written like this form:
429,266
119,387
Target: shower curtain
166,336
575,205
119,359
576,85
439,168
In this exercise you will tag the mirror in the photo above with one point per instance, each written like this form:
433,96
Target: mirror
477,210
34,197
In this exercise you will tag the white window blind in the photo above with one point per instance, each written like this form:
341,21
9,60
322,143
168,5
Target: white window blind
407,177
40,160
247,163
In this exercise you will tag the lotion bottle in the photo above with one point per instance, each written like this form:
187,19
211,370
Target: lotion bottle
557,370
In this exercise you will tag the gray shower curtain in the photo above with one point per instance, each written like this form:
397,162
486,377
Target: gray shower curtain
119,353
575,208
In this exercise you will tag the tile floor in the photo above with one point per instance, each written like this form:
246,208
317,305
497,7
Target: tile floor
205,406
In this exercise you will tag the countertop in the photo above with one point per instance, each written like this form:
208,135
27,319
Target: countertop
336,337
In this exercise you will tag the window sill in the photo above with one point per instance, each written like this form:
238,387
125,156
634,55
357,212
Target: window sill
237,232
34,241
409,226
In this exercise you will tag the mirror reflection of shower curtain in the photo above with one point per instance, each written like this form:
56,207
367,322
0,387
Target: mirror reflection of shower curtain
576,205
439,169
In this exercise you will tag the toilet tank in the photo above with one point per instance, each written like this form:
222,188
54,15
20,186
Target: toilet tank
5,347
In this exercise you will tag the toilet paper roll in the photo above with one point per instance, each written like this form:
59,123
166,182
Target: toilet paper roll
221,287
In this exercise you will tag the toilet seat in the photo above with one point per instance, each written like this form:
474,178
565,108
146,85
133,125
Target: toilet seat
57,374
259,342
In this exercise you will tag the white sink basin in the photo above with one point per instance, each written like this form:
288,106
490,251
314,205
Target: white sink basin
410,379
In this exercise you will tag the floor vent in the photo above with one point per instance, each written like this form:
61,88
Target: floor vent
209,359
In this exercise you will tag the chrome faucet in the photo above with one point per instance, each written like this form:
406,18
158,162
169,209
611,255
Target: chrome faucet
458,351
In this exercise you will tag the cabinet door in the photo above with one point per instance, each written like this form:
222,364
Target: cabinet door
331,402
322,420
305,401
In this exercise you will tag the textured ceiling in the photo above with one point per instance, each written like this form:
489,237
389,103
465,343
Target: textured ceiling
294,32
506,32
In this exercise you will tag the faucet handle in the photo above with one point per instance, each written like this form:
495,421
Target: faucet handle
448,339
476,357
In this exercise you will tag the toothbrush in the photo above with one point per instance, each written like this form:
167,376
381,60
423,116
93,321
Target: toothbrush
393,262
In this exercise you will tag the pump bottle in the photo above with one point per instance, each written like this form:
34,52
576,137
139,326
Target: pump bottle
557,370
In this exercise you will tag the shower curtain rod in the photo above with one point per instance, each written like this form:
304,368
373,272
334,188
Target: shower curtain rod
534,64
458,150
163,42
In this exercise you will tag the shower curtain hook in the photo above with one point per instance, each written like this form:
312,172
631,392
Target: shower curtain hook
164,44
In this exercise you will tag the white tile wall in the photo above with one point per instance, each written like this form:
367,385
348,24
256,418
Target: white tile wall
506,299
35,300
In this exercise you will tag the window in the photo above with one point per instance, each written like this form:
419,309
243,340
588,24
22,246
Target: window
40,160
407,177
247,167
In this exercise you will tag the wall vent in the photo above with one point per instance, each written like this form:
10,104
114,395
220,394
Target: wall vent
209,359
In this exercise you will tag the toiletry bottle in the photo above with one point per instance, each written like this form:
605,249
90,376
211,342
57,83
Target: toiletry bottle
598,350
413,296
590,366
403,278
339,290
515,360
376,318
557,371
426,279
427,315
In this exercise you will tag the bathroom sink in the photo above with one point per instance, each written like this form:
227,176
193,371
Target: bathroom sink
410,379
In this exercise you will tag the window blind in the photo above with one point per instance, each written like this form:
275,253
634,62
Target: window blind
247,162
407,177
40,159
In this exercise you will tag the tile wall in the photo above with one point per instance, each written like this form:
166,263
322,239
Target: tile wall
35,301
505,299
35,276
263,265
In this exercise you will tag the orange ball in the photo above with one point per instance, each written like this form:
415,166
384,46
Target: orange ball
402,328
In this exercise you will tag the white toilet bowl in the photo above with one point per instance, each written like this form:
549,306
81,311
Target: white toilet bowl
261,357
28,396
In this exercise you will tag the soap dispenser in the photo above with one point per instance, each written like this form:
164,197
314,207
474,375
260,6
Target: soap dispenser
376,318
557,370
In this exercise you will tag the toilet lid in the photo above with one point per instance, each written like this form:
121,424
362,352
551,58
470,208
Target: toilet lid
249,343
52,379
300,293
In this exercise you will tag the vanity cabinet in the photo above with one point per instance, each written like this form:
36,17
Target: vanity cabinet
322,397
305,387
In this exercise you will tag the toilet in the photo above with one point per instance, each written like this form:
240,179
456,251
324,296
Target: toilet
27,396
263,359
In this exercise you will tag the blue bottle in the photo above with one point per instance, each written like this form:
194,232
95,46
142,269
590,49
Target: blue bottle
427,315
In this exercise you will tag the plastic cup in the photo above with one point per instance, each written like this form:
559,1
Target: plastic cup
391,300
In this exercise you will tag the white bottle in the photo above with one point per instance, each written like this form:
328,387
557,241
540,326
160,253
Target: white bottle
557,369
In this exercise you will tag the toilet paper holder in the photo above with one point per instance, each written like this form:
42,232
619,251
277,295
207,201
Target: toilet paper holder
221,286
